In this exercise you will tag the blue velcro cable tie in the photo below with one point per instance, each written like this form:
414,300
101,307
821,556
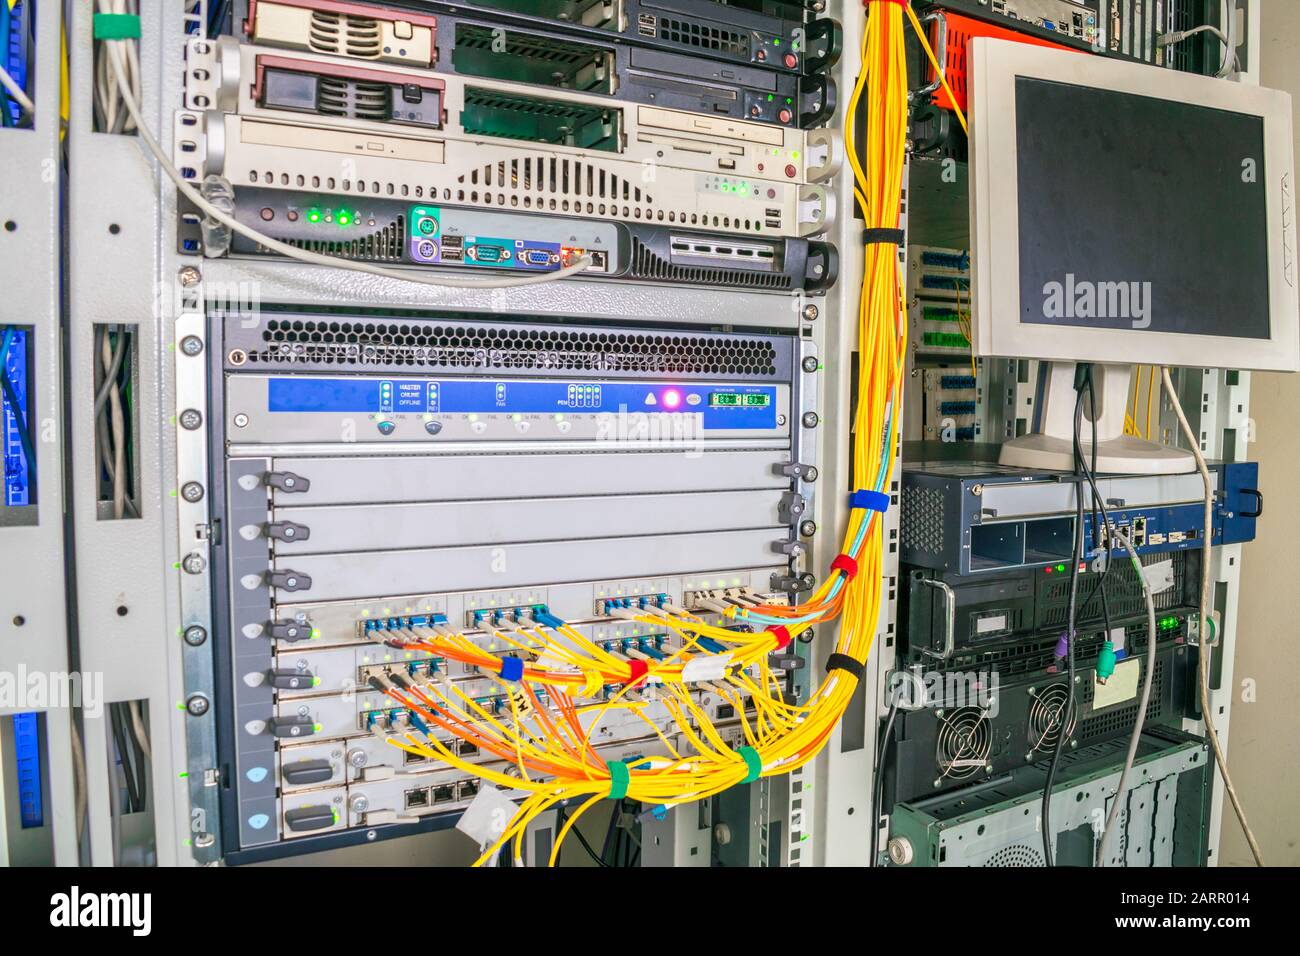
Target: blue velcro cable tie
871,500
512,668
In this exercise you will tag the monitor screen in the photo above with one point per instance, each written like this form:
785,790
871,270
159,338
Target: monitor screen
1140,213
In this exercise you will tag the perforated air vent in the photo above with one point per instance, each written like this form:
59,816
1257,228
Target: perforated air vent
452,347
647,265
1117,719
921,525
345,35
382,245
704,38
1018,854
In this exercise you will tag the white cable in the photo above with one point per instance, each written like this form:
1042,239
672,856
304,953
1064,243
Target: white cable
137,720
1230,57
16,91
1202,668
275,245
1140,722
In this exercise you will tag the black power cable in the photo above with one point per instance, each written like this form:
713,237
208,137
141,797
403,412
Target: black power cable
878,780
1076,554
560,818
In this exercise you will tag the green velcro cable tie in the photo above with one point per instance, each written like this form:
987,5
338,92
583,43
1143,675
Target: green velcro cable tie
753,761
619,778
117,26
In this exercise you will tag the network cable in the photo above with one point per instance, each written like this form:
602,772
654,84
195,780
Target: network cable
1207,540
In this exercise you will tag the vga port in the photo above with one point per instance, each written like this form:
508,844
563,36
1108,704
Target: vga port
536,257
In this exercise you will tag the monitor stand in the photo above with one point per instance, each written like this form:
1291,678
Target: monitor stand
1051,445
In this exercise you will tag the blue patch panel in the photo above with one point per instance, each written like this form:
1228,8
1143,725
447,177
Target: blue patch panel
17,471
966,433
945,283
956,383
956,408
946,260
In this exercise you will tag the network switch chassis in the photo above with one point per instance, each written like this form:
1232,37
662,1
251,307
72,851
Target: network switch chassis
976,518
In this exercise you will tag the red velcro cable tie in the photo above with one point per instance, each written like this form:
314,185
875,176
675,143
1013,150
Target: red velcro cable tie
846,564
638,668
782,635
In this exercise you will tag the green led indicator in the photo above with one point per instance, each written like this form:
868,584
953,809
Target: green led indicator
1060,568
313,215
770,97
344,219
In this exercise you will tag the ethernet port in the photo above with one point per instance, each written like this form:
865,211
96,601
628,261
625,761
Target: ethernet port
541,120
726,712
467,790
466,749
415,799
408,757
532,58
444,794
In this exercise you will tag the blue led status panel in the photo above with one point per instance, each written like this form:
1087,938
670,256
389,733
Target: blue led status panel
719,406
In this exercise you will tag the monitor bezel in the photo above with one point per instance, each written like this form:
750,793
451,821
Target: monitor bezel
993,67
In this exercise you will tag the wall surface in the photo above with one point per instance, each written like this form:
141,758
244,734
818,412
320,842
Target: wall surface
1264,744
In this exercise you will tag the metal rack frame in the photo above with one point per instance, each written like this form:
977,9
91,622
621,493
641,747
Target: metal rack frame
33,602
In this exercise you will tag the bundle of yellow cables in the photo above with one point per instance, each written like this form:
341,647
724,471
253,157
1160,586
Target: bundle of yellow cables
546,739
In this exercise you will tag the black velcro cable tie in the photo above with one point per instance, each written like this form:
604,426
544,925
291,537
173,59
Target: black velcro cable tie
889,237
842,662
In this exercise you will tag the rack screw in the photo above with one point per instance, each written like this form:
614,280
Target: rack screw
192,345
192,491
189,276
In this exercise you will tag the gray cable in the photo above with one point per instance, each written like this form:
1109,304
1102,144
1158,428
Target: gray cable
1140,722
1194,446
